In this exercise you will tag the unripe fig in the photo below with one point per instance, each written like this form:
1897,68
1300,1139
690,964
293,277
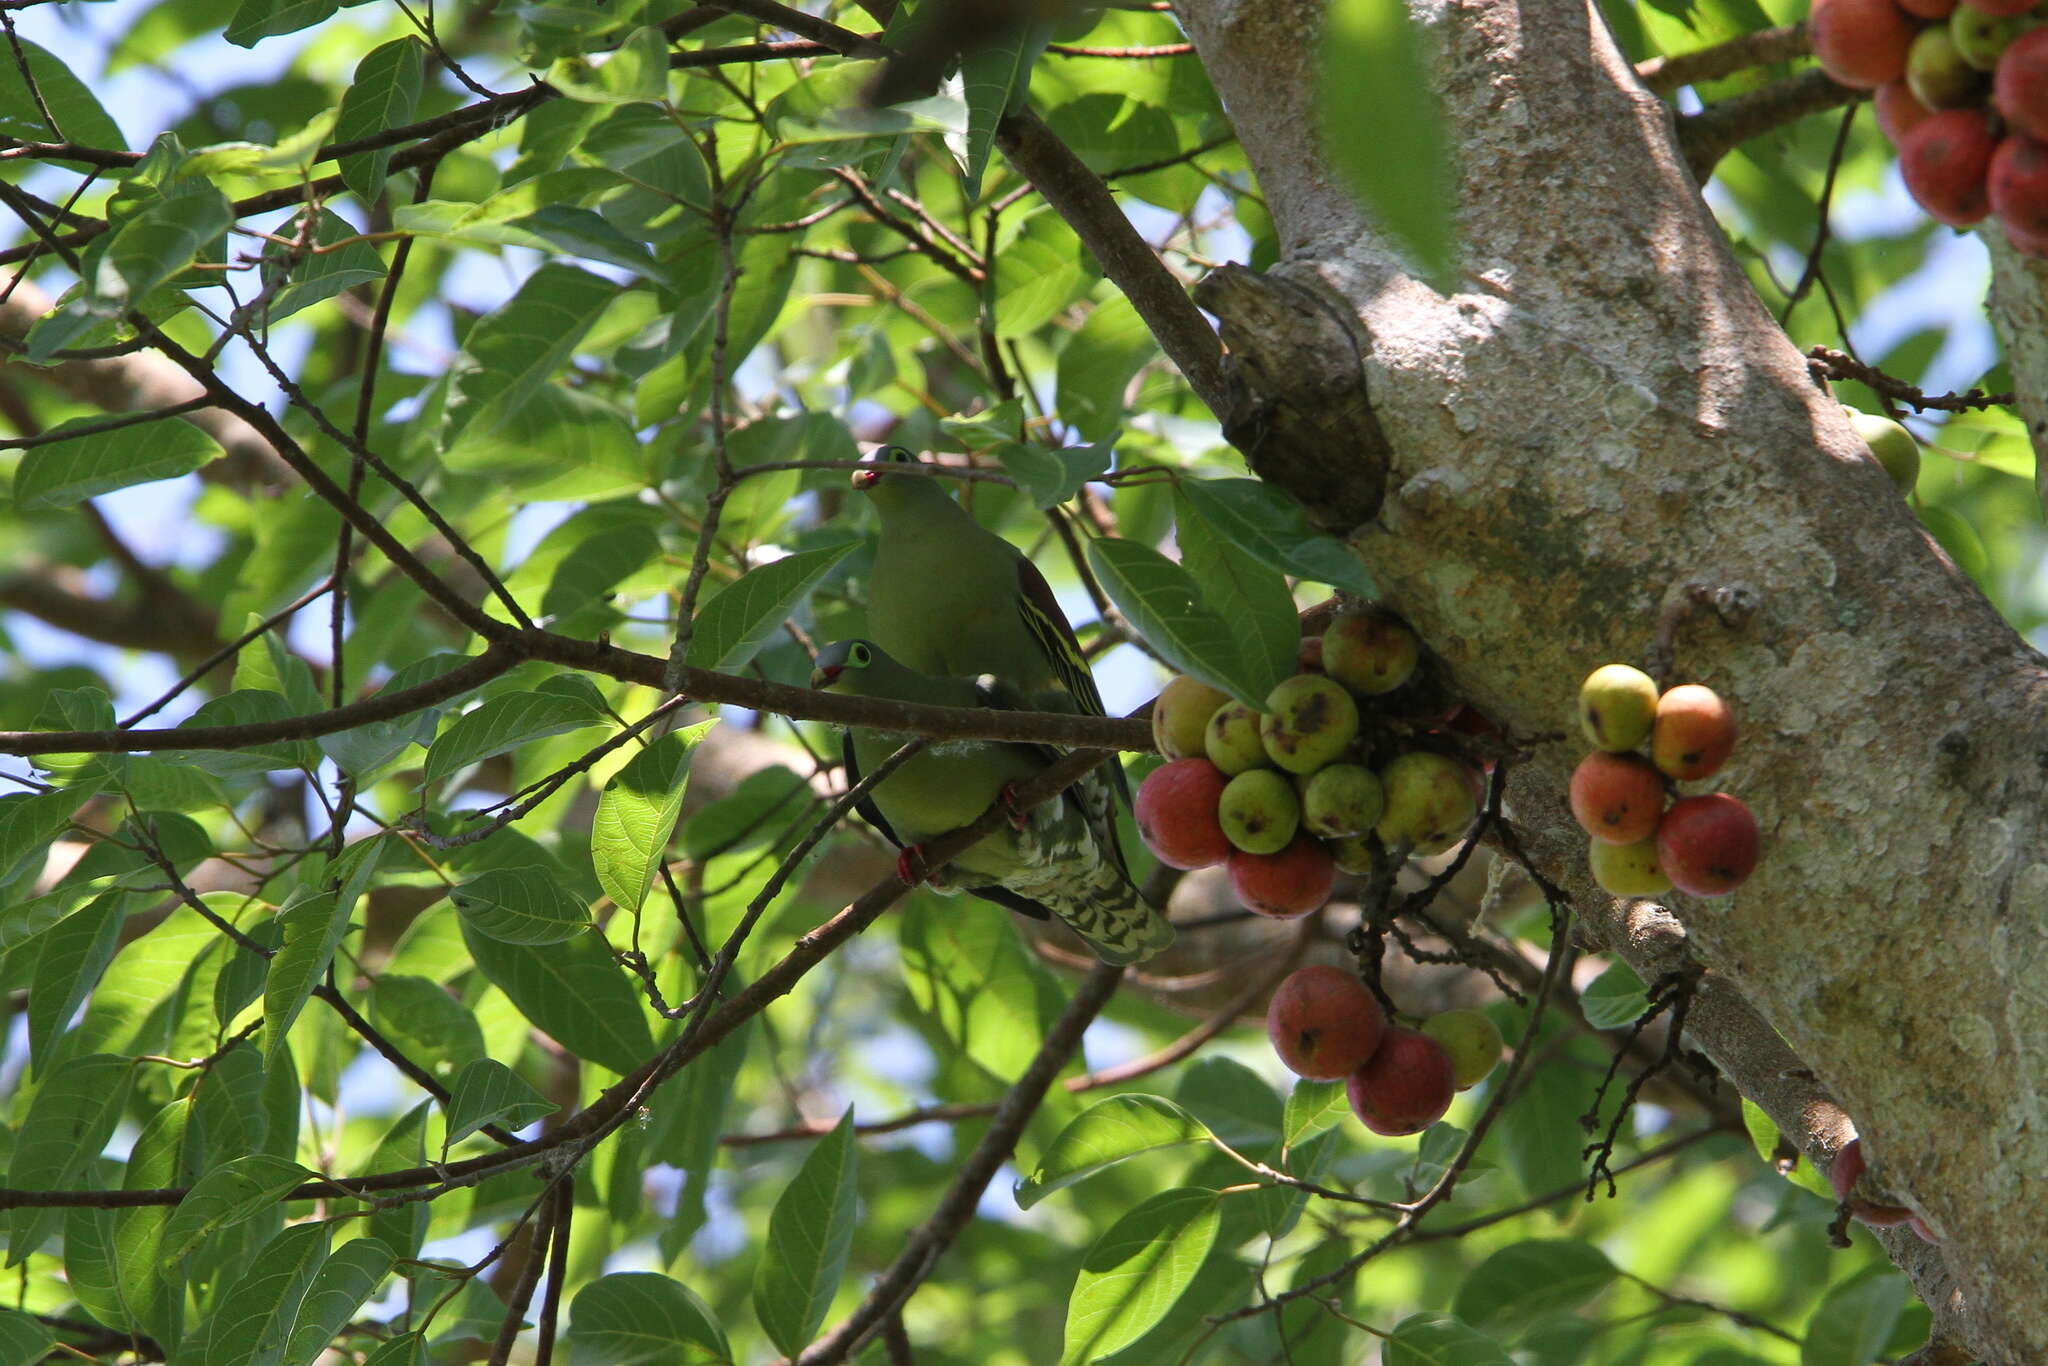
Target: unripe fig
1982,38
1232,741
1286,885
1693,732
1628,869
1342,799
1616,705
1895,448
1178,815
1860,43
1938,74
1258,811
2018,185
1944,162
1473,1041
1708,846
1369,652
1180,717
2021,84
1617,798
1323,1023
1309,721
1429,802
1358,855
2002,8
1405,1086
1899,111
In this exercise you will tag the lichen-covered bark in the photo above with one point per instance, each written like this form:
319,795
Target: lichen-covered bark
1605,415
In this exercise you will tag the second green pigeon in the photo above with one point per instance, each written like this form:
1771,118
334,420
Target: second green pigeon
1060,856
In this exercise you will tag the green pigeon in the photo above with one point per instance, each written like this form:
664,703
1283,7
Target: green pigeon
1060,856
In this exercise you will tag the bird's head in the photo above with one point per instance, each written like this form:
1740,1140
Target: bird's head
841,663
889,468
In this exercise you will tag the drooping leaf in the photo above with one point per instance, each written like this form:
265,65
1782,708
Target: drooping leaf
1105,1134
809,1234
74,954
1853,1321
1614,998
69,1121
1434,1339
636,815
253,1323
1250,596
642,1318
313,924
384,94
1136,1271
236,1190
1274,528
345,1281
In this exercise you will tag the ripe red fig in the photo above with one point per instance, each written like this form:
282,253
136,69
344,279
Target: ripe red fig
1617,797
1899,111
1287,885
1708,846
1176,811
1928,9
1860,43
1693,733
1323,1023
1404,1087
2019,185
1944,161
2021,84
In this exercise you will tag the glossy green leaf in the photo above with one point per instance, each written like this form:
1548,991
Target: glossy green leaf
1433,1339
1272,527
809,1234
425,1022
1384,128
384,94
1766,1138
1312,1107
406,1349
731,628
980,986
1540,1130
488,1092
259,19
1163,602
71,469
636,71
1105,1134
1525,1280
1136,1271
238,1189
992,76
637,813
521,906
574,991
505,722
641,1318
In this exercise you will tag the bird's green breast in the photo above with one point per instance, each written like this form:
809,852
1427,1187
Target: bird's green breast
949,604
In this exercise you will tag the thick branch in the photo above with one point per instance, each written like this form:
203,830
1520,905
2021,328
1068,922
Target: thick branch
1704,138
1765,47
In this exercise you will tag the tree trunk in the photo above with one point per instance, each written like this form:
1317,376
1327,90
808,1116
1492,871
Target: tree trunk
1605,425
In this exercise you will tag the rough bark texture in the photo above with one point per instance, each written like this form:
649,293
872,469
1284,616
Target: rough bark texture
1604,417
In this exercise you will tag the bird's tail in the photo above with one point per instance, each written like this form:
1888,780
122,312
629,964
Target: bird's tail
1106,910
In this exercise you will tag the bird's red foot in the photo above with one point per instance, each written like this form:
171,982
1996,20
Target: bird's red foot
911,867
1019,817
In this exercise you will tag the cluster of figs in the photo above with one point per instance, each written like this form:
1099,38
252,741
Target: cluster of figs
1961,89
1288,795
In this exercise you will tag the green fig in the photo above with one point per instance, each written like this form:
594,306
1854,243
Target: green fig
1231,739
1259,811
1309,721
1342,799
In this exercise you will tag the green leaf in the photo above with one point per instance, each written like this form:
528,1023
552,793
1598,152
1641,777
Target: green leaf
641,1318
344,1283
313,924
635,72
74,953
407,1349
1097,364
731,629
1312,1107
78,113
1540,1130
574,991
320,275
505,722
1161,600
1051,477
1765,1136
809,1234
1105,1134
1383,127
151,1286
424,1022
1251,597
1433,1339
512,351
1614,998
23,1340
259,19
1272,527
69,1122
1853,1321
167,236
636,815
1136,1270
1236,1103
238,1189
384,94
488,1092
1525,1280
1956,536
982,989
28,822
68,471
253,1324
992,75
521,906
